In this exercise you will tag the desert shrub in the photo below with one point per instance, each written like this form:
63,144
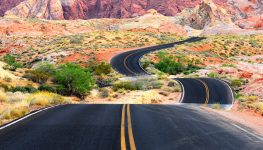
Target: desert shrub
104,93
216,106
3,97
148,97
259,107
172,65
46,67
236,83
139,84
171,84
6,87
77,39
48,88
41,73
127,85
37,76
7,79
24,89
248,101
145,64
17,97
213,75
14,112
74,79
18,112
101,68
45,99
11,61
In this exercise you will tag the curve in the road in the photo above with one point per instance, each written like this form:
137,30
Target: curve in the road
200,91
127,63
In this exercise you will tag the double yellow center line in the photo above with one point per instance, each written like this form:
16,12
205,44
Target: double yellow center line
206,91
130,133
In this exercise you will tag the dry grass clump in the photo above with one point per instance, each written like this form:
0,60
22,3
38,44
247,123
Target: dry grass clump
251,102
149,97
3,97
46,99
248,101
17,96
216,106
138,84
259,107
13,113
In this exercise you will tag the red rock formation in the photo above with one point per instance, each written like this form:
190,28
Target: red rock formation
6,5
83,9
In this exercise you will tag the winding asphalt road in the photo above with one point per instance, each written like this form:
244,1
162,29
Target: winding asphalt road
134,127
196,90
127,63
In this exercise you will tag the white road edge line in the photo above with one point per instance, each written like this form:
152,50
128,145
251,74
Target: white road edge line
26,116
256,136
183,91
233,97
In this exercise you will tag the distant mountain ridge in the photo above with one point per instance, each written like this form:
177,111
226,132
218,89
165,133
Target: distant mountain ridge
195,13
86,9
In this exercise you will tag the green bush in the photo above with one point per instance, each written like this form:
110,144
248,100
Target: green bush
74,79
237,83
48,88
24,89
77,39
47,68
37,76
172,65
11,61
213,75
41,73
101,68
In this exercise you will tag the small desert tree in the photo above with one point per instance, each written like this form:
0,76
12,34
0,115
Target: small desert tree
74,79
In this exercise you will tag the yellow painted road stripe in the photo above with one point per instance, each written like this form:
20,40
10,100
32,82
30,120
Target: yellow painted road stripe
206,91
131,138
123,142
125,63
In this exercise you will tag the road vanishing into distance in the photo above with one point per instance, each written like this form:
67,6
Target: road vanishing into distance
135,127
196,90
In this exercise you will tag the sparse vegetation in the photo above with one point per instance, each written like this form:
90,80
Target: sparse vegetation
216,106
102,68
175,65
3,97
139,84
11,61
46,99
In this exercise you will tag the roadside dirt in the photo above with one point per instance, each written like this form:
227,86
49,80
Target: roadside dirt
249,119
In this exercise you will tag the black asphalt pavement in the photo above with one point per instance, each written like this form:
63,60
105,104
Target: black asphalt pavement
70,127
154,127
127,63
199,91
219,91
194,91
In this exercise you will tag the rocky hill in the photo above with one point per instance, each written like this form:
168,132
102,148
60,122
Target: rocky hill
83,9
246,14
6,5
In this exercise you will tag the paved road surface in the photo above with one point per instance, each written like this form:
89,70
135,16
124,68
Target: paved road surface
199,91
127,63
145,127
135,127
